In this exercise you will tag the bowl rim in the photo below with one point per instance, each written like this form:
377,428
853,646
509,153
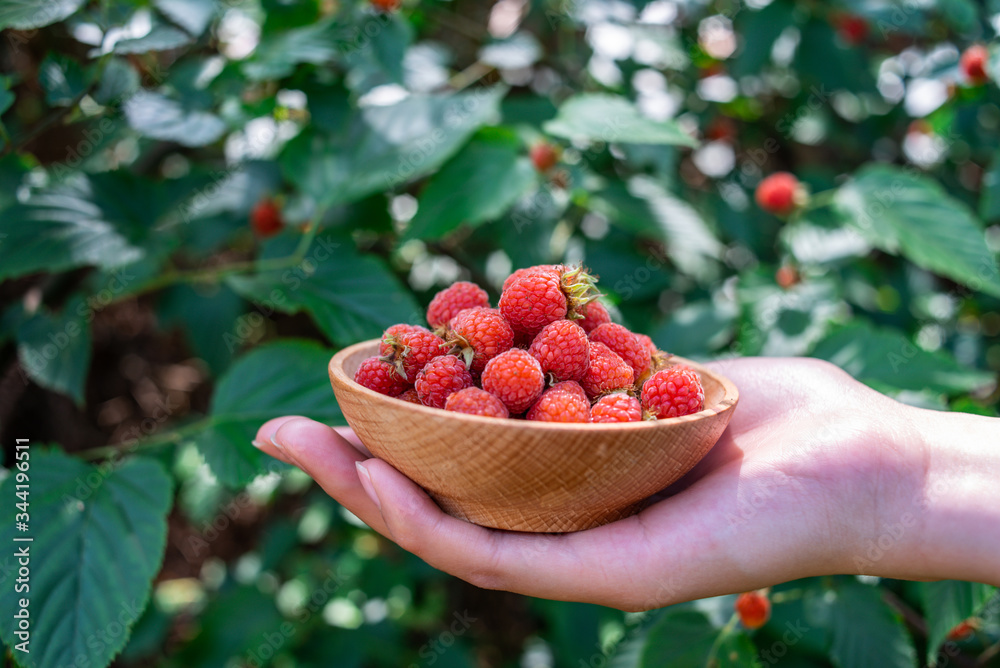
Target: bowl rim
339,377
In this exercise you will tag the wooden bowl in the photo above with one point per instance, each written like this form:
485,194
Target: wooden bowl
530,476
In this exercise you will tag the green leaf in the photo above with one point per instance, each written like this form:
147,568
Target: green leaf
759,29
99,536
192,15
948,602
913,216
989,201
613,119
287,377
684,638
162,37
697,329
866,632
31,14
351,297
390,44
280,51
62,78
480,183
54,349
887,359
517,51
159,117
118,82
375,149
210,319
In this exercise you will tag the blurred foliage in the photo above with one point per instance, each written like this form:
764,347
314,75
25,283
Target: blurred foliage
201,199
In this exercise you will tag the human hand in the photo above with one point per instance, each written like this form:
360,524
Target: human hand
816,474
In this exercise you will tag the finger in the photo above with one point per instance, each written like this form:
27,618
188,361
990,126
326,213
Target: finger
262,441
329,459
348,434
591,566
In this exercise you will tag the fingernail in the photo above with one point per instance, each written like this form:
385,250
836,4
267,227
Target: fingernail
366,482
274,441
257,444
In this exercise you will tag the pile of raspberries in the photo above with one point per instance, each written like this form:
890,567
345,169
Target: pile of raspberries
549,352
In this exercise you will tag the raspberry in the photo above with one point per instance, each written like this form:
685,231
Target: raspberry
721,128
625,344
563,402
410,395
516,377
480,334
787,277
753,608
453,300
673,392
474,401
780,193
411,351
544,156
562,349
386,5
616,407
442,376
533,301
379,375
607,371
266,218
594,315
394,331
973,64
555,269
852,28
963,629
648,342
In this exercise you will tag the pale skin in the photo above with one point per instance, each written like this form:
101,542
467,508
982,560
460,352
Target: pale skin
817,474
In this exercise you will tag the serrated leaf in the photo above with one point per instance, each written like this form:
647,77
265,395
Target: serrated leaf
351,297
62,78
480,183
31,14
99,536
375,149
157,116
284,378
192,15
948,602
866,632
684,638
162,37
697,329
911,215
613,119
54,349
785,322
210,319
887,359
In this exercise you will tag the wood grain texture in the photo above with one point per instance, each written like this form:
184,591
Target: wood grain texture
530,476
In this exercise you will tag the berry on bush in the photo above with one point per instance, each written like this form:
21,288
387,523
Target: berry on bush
377,374
265,218
607,372
453,300
781,193
516,378
673,392
963,629
973,64
626,345
616,407
386,5
852,28
442,376
563,402
475,401
562,349
479,335
753,608
544,156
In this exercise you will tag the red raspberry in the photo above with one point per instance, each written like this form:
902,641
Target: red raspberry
480,334
852,28
973,64
411,351
379,375
616,407
533,301
385,348
721,128
453,300
474,401
787,277
554,269
963,629
625,344
594,315
266,218
562,349
386,5
648,342
442,376
410,396
753,608
563,402
544,156
673,392
607,371
516,377
780,193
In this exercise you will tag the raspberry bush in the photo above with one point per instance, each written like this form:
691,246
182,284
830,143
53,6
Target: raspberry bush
201,200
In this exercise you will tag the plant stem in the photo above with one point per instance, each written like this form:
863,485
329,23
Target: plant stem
723,634
163,438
